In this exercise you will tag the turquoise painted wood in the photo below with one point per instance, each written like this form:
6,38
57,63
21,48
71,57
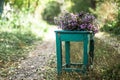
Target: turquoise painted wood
67,37
67,51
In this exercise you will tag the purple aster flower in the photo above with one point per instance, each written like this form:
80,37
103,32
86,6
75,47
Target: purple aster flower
80,21
83,26
90,26
95,30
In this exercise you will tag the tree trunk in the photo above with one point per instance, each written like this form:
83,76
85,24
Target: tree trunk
93,4
1,6
28,4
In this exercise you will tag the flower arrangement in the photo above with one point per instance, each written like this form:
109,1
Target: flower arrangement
81,22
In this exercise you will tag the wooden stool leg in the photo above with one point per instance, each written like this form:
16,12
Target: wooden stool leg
67,53
85,53
59,54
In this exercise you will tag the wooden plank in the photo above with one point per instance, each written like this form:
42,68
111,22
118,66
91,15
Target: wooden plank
71,37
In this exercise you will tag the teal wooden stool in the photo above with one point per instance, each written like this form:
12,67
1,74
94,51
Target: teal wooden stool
69,36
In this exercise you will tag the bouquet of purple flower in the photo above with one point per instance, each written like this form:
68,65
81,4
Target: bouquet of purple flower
81,22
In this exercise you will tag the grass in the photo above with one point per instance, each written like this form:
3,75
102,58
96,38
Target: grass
13,47
106,64
13,43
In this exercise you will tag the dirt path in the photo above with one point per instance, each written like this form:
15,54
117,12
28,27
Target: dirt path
37,60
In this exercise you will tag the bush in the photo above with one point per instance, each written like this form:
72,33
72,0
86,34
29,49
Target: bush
51,10
112,27
107,13
80,5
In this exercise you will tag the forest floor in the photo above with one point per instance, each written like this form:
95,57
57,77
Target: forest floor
36,65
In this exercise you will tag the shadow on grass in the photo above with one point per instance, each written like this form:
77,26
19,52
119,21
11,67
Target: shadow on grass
106,64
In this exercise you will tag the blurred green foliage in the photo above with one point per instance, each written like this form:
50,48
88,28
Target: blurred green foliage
17,3
80,5
18,31
108,13
51,10
26,5
15,37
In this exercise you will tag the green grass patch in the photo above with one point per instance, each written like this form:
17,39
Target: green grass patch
13,44
13,47
106,64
